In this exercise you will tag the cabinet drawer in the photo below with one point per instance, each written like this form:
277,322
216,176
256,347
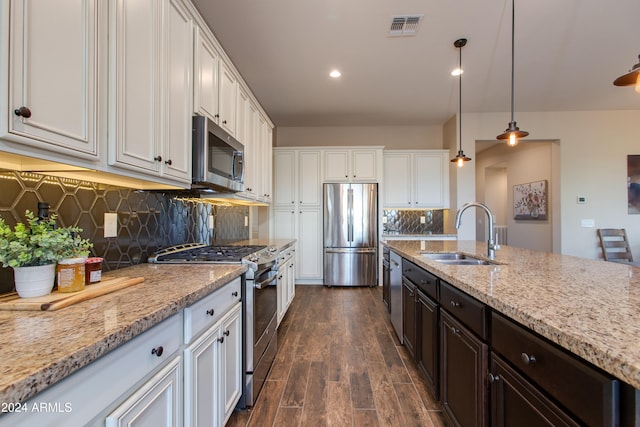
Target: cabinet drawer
467,309
204,313
587,392
426,281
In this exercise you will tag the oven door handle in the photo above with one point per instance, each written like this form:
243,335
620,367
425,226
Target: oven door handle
265,283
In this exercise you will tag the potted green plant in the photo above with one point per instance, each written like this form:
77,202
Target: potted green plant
33,248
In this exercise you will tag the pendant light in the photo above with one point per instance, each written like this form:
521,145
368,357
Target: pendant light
632,78
513,133
460,158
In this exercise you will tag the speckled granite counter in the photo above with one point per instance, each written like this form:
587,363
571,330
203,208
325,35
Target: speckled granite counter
589,307
37,349
409,236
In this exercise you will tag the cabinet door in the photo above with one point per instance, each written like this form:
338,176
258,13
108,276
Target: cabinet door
409,316
53,74
309,251
206,60
431,178
202,379
156,403
285,178
135,46
309,178
231,362
291,280
397,180
336,166
428,342
251,152
515,401
284,223
176,161
228,89
265,159
463,390
364,163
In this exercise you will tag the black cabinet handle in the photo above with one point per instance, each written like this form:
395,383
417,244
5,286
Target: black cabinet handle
455,304
216,116
158,158
22,112
493,378
168,162
157,351
224,122
455,330
210,312
234,294
527,359
221,340
226,333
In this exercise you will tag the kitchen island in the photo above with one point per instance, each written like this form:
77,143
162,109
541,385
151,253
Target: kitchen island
39,349
589,308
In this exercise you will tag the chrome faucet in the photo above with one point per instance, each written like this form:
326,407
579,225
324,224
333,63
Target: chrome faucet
492,246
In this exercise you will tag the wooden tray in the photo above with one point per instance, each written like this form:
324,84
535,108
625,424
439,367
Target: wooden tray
57,300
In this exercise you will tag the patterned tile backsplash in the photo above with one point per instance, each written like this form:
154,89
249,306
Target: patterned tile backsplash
408,221
147,220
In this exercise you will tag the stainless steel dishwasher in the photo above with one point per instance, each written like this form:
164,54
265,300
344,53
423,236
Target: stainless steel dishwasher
395,285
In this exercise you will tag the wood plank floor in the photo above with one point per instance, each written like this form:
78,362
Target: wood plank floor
339,363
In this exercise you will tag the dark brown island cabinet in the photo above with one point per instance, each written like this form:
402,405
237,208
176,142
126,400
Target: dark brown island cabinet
485,369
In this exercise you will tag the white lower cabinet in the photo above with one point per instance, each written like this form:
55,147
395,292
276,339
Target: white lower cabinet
186,370
156,404
305,225
213,380
286,281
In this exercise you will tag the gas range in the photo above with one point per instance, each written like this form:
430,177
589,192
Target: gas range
257,257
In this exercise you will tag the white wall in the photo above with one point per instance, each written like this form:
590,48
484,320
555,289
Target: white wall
391,137
593,148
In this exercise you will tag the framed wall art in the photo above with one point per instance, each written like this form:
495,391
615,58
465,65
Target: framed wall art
530,201
633,183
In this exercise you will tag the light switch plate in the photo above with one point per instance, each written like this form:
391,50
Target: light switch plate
110,224
423,220
384,219
588,223
210,222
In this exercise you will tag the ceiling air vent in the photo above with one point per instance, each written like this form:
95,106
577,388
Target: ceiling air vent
405,25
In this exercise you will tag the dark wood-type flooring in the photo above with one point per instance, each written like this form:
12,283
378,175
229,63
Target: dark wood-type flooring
339,363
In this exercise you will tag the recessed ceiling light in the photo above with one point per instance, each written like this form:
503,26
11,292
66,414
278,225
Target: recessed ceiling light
335,74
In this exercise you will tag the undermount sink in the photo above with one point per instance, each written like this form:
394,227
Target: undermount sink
455,258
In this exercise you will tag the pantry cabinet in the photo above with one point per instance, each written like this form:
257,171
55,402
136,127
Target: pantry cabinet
51,81
352,165
416,179
297,210
150,56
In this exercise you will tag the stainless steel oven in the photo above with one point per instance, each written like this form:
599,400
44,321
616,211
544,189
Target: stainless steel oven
261,301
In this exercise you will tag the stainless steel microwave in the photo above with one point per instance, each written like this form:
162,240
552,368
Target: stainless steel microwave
217,157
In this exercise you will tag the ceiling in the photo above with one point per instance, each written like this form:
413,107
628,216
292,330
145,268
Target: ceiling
568,52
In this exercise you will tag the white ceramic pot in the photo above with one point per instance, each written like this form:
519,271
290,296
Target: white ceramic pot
34,281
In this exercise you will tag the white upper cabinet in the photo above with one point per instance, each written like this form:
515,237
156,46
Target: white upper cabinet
416,179
52,71
352,165
216,87
228,94
151,67
206,60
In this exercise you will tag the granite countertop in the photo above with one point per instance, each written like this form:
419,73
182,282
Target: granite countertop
396,234
37,349
589,307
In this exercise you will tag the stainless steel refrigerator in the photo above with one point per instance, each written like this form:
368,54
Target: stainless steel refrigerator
351,234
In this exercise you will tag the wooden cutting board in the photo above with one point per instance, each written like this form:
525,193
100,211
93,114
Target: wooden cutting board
57,300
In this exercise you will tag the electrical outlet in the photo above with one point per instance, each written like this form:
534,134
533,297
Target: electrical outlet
210,222
246,221
384,219
423,219
111,225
